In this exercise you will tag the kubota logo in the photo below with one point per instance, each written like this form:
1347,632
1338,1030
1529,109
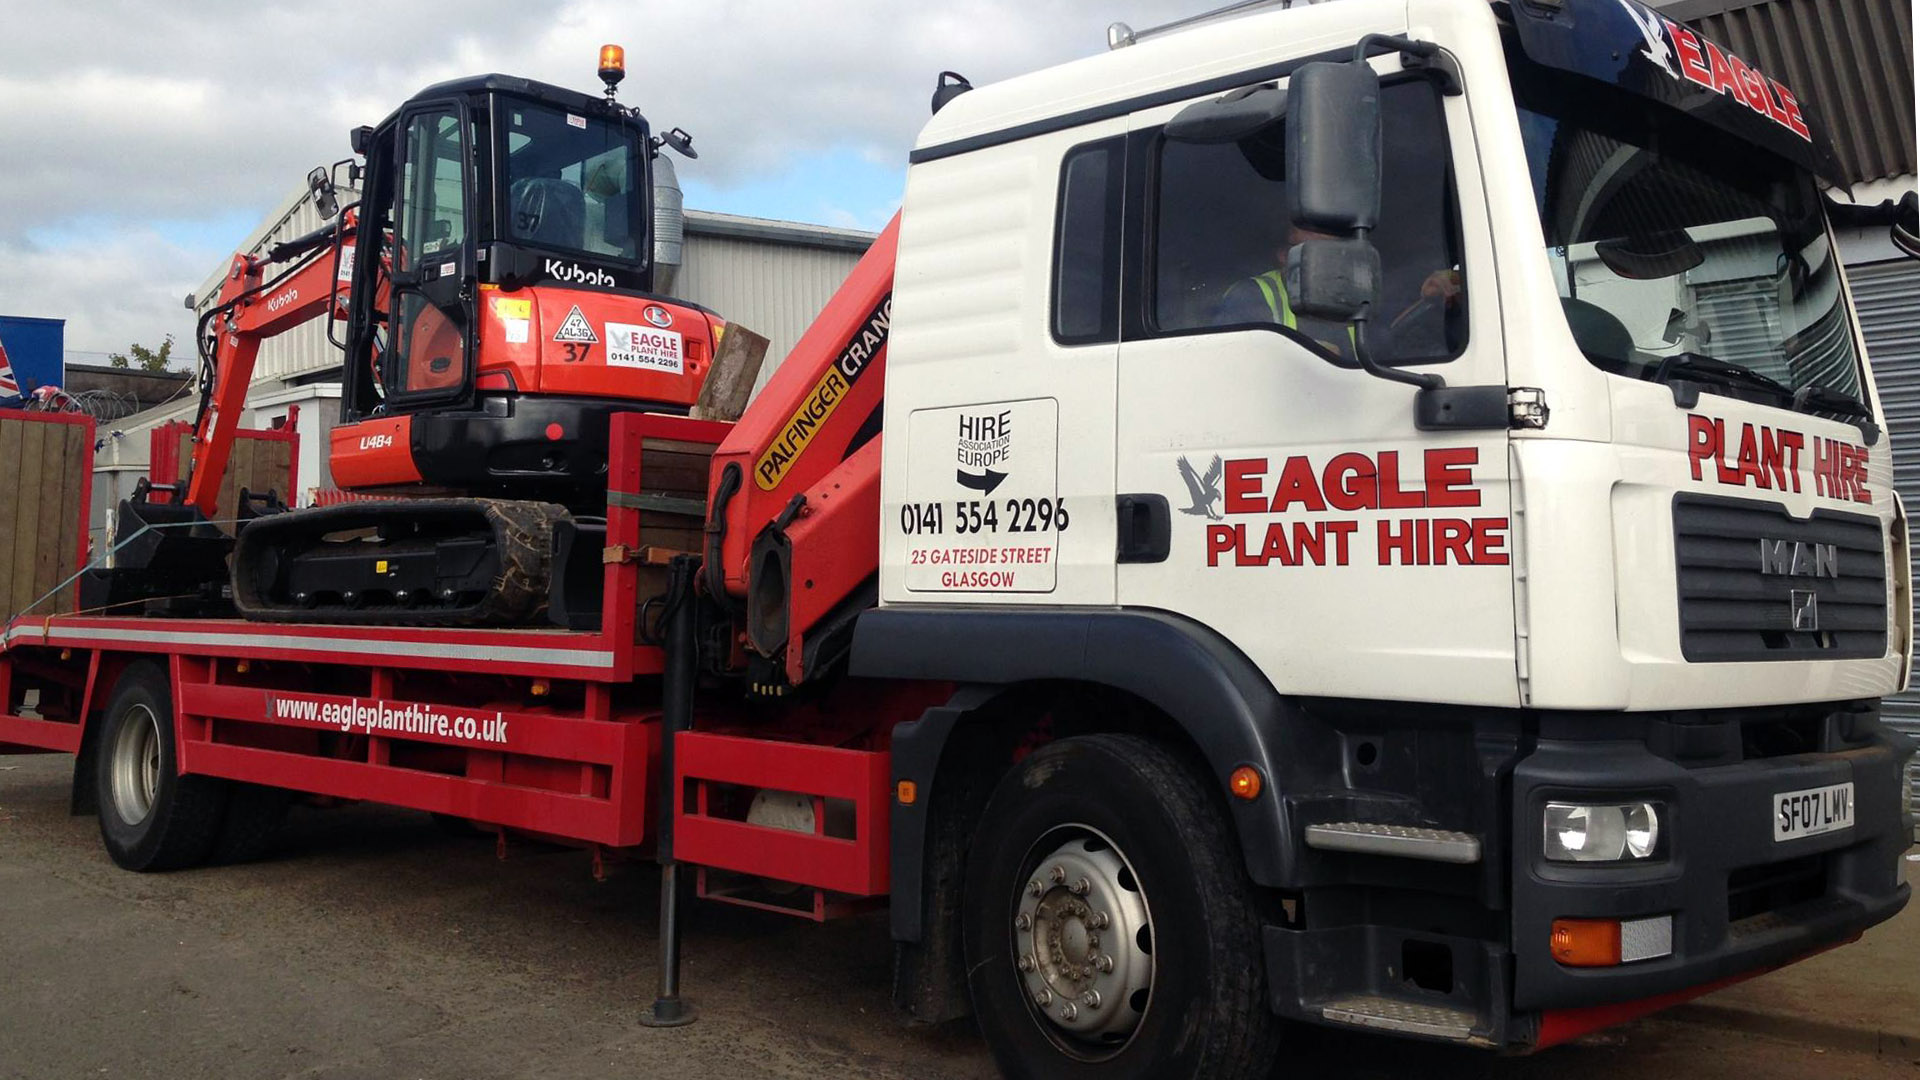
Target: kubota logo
285,298
576,274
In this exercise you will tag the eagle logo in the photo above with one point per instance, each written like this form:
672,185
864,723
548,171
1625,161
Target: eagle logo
1655,31
1204,490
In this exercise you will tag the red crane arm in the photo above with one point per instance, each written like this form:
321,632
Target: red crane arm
795,486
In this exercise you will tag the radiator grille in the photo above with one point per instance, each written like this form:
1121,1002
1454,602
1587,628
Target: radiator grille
1731,610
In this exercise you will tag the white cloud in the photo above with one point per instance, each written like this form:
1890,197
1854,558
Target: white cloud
114,289
124,114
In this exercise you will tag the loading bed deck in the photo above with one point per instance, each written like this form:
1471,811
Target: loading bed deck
535,728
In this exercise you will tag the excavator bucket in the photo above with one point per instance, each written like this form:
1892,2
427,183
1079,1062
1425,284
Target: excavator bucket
166,557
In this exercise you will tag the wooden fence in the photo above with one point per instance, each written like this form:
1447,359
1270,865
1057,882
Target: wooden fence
262,461
46,493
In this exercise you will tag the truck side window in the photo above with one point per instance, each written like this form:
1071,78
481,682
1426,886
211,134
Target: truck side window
1086,250
1221,236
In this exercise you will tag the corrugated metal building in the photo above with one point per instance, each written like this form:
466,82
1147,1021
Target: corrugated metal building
770,276
1853,61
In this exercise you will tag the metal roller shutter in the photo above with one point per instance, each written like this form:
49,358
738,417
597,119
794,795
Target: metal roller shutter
1888,295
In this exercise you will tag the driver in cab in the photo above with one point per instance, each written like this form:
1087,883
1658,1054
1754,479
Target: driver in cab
1262,298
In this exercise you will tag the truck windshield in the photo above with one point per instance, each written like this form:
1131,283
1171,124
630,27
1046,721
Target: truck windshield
1683,253
573,181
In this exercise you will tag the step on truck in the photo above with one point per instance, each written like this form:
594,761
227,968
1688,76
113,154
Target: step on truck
1374,515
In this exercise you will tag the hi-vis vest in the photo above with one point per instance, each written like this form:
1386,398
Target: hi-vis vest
1274,289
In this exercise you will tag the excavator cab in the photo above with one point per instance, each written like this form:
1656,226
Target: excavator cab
497,281
506,231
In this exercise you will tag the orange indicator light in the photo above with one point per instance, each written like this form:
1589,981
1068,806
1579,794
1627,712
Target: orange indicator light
1245,783
1586,943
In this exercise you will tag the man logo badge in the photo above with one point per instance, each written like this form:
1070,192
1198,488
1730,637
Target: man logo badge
1799,558
1805,607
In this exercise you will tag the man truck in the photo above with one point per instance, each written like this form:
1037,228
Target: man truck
1481,640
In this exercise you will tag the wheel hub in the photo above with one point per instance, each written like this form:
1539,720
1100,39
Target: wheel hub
136,765
1083,941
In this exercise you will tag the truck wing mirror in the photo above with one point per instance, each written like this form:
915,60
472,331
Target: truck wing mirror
1333,194
1333,147
1902,219
1332,278
1231,117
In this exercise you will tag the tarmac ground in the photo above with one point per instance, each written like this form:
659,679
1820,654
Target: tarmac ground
372,944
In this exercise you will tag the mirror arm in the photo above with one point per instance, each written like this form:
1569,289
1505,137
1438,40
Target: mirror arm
1423,379
1908,243
1364,355
1417,56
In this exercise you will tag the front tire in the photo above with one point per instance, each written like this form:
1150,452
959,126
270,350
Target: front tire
151,817
1110,927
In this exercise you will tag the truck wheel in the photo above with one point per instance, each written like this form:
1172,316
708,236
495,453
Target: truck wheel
1110,927
151,817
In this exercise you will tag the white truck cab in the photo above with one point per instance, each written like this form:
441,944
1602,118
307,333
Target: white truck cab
1501,481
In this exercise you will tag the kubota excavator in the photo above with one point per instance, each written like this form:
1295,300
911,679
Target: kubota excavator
496,286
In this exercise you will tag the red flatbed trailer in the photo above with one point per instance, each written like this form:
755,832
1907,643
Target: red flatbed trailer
542,731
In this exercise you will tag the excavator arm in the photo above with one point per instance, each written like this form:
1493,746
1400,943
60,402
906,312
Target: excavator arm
250,309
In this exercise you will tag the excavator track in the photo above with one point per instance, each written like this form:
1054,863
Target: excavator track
415,562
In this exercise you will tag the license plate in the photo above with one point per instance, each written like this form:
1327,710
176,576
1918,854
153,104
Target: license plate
1812,812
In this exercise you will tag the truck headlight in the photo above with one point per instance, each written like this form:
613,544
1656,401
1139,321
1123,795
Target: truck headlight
1577,832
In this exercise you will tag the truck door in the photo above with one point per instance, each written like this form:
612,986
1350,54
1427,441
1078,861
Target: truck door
1348,553
1000,375
429,356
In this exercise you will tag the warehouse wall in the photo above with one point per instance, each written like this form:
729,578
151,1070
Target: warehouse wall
772,288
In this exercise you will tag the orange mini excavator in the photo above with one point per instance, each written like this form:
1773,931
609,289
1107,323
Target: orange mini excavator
496,287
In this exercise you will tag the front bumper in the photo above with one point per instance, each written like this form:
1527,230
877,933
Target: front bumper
1463,953
1739,899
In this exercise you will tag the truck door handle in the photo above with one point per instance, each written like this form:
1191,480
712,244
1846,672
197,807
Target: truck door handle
1145,528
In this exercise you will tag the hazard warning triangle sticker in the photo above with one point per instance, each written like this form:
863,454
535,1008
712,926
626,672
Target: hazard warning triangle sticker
575,327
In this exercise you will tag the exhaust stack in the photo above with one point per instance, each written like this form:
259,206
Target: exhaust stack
669,225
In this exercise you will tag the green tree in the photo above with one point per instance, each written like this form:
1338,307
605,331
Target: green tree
140,356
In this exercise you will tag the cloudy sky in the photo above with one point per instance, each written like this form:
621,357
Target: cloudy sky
143,141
